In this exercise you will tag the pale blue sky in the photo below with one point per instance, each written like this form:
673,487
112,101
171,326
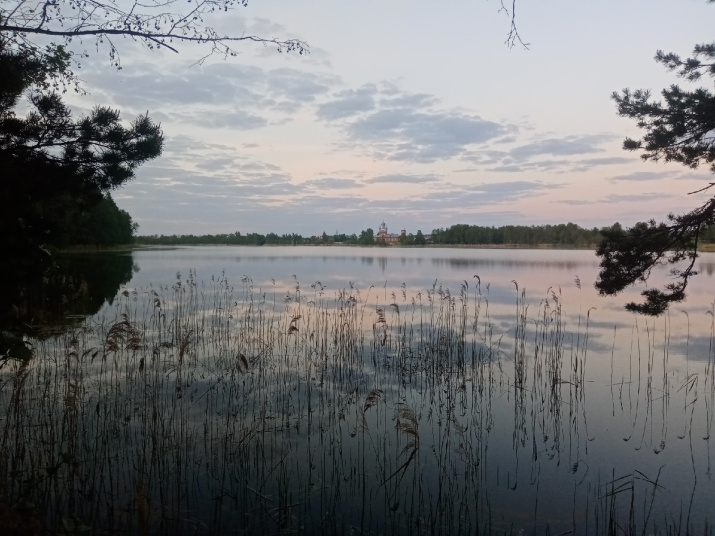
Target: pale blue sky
409,111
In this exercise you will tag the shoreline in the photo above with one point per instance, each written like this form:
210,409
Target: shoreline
702,248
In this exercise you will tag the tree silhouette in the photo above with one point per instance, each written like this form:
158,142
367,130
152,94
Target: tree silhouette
680,128
56,173
54,165
158,25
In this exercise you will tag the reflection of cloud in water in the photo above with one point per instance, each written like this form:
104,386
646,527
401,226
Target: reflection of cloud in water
297,406
694,348
521,264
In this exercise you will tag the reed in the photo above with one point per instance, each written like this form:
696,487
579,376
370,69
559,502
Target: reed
199,407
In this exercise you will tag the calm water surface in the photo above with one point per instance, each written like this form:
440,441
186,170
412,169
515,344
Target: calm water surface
370,390
570,274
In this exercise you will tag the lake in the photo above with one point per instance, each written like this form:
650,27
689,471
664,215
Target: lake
357,390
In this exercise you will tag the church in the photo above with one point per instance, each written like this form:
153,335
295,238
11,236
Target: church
390,238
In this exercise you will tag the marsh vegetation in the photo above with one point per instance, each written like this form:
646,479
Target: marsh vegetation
222,405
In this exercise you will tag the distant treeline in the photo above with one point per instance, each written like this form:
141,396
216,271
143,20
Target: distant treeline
231,239
562,235
567,235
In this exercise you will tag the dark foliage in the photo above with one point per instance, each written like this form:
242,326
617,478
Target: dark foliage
103,224
367,237
57,168
57,172
565,235
680,128
71,286
224,239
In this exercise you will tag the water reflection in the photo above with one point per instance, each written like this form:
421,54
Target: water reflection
511,264
706,267
78,285
370,397
95,278
436,410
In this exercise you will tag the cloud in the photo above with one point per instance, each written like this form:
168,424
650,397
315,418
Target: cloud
352,172
298,86
531,156
413,100
391,124
222,95
605,161
403,179
616,198
222,119
218,163
156,84
541,165
487,194
258,166
500,192
625,198
641,176
331,183
485,156
700,176
424,128
524,187
567,146
408,135
213,188
562,165
349,103
193,168
582,202
235,188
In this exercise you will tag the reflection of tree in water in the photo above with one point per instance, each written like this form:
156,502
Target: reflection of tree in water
707,267
84,282
78,286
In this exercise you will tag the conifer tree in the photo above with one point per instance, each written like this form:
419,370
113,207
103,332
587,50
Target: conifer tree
55,166
679,128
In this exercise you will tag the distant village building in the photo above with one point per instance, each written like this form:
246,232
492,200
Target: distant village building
390,238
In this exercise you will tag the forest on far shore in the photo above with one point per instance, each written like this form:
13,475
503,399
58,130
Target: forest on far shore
560,235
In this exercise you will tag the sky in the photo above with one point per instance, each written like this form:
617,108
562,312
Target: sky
411,112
